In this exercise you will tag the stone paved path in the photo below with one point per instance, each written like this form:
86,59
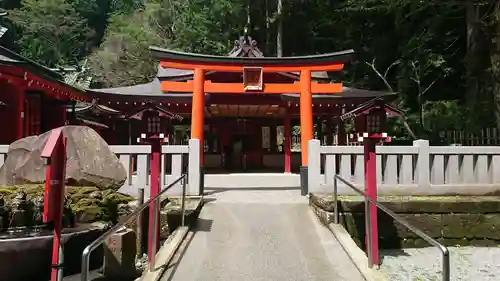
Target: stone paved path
260,235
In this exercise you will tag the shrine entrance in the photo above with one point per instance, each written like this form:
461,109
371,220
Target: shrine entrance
236,152
251,71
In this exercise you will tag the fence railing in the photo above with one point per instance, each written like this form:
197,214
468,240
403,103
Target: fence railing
445,255
176,160
485,136
155,200
418,167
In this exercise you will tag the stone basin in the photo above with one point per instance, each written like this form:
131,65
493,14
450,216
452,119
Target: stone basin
26,254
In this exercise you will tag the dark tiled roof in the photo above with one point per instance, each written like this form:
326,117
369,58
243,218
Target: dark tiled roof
347,92
151,90
245,47
378,101
95,108
92,123
339,57
8,57
172,74
7,60
151,105
148,89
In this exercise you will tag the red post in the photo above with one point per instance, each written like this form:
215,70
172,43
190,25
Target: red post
55,153
20,113
198,111
154,213
371,191
288,143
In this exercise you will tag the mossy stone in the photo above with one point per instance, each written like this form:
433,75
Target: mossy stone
88,203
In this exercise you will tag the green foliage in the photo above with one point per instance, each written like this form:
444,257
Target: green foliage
59,39
124,57
443,56
206,26
443,115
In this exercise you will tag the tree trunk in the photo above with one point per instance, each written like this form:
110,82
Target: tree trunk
268,29
476,65
495,63
249,17
471,65
279,37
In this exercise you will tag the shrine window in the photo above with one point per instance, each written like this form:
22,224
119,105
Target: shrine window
280,139
154,124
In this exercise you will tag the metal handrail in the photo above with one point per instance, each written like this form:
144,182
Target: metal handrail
444,251
101,239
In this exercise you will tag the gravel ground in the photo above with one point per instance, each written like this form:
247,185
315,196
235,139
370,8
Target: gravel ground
467,264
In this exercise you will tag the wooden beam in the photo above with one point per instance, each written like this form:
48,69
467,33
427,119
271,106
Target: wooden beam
238,88
239,68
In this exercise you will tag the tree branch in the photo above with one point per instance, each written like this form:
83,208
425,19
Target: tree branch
428,87
407,127
372,65
389,87
396,62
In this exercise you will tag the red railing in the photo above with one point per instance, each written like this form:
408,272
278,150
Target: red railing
55,154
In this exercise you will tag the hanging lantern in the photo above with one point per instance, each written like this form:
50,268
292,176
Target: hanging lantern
376,121
252,78
152,122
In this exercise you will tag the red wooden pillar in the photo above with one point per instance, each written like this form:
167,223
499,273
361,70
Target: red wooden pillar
288,142
371,191
198,110
306,125
20,112
55,153
198,119
154,209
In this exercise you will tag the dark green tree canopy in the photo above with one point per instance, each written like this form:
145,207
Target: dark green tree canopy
443,57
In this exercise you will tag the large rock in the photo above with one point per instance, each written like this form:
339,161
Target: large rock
90,161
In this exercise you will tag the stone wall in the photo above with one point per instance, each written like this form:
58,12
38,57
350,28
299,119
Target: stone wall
452,220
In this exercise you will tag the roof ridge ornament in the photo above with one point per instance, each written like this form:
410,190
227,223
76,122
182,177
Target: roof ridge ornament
3,29
245,46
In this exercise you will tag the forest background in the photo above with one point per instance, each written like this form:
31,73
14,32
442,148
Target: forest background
441,56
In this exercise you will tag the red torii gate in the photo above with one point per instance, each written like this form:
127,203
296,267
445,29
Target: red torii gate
252,70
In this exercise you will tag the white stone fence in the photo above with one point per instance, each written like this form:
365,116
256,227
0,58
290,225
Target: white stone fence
176,159
409,170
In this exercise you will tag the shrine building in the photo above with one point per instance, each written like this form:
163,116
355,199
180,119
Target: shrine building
33,98
252,113
244,107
